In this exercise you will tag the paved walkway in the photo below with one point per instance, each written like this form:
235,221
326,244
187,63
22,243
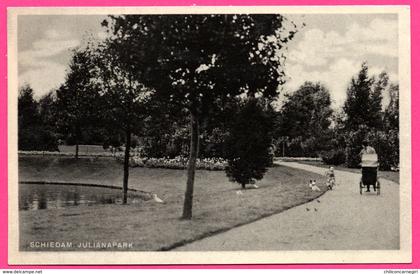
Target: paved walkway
341,219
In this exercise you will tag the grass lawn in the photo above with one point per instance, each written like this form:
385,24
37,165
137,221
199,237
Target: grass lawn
388,175
150,225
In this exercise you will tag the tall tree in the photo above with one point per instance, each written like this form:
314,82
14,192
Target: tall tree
35,122
47,110
124,94
78,100
391,115
28,118
202,61
392,127
27,107
363,105
305,119
364,118
379,87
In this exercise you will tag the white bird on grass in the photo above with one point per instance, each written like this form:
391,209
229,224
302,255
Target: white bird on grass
157,199
239,192
254,186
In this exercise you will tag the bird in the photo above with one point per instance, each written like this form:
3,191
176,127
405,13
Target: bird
239,192
157,199
254,186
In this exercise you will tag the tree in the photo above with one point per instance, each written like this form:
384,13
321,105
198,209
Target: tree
365,120
47,110
364,100
78,100
305,120
27,107
202,61
35,126
249,143
391,115
125,96
379,86
28,118
392,127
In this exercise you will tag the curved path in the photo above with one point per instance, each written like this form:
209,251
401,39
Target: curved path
341,219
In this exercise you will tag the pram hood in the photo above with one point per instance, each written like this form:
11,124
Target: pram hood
369,160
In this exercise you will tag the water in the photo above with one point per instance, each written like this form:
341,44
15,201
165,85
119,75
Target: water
53,196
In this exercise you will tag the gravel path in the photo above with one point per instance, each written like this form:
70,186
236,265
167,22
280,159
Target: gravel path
341,219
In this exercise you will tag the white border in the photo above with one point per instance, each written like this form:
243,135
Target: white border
404,255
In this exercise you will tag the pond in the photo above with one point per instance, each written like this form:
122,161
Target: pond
37,196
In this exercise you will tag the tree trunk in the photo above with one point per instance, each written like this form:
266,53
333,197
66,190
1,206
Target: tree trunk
188,200
126,164
77,150
77,140
243,186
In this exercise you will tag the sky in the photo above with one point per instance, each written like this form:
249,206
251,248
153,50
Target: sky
328,48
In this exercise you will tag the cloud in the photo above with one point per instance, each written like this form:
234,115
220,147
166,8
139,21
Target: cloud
44,78
317,47
333,58
40,70
336,77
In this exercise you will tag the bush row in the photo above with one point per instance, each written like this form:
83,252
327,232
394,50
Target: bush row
386,144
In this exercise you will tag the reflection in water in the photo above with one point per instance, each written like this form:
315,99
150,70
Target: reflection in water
43,196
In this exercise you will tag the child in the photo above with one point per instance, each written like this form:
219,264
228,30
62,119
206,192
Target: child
313,186
330,178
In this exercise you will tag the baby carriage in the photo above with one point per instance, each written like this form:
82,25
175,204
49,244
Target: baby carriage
370,173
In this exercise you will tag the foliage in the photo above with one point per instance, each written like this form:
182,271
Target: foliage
78,100
34,133
363,104
305,119
166,134
37,138
334,156
354,142
365,120
386,145
391,127
196,66
249,143
27,108
122,88
391,115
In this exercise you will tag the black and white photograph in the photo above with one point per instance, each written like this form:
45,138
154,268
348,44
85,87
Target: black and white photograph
209,135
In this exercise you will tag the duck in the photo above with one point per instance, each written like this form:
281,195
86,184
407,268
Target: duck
157,199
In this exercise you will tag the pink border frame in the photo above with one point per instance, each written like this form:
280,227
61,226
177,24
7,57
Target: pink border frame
415,100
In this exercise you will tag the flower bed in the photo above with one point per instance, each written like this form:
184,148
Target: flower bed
60,153
176,163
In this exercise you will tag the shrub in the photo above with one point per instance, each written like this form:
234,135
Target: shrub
386,145
354,140
249,150
38,139
334,157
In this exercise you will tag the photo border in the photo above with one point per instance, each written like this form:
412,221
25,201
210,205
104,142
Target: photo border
404,151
